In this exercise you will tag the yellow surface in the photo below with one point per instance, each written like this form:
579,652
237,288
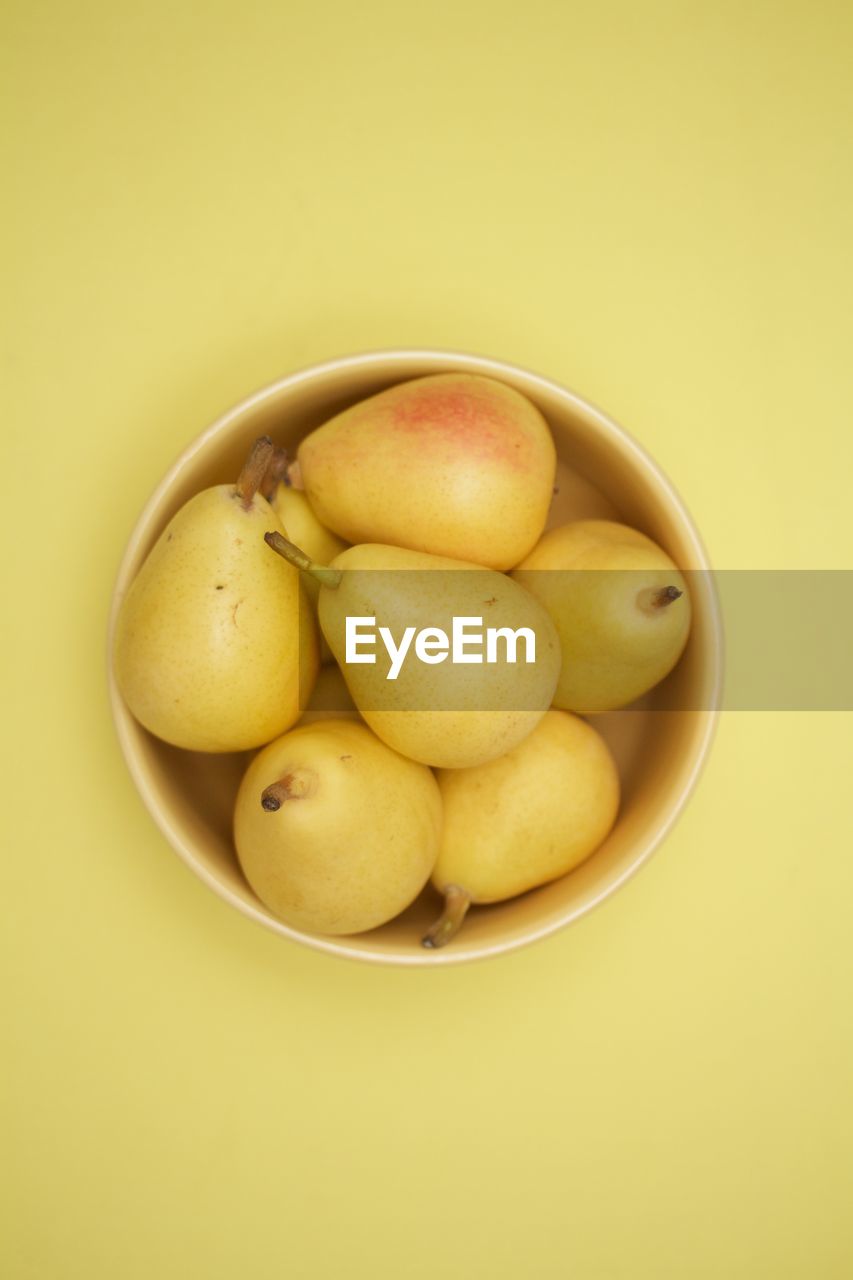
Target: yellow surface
650,202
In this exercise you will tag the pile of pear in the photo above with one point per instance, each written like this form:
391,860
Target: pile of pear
353,803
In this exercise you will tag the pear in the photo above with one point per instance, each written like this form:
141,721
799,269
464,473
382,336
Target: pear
335,832
524,819
621,608
215,646
452,464
433,709
302,527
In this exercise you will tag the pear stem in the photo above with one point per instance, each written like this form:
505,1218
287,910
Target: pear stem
299,785
327,577
274,474
655,598
252,475
448,924
293,476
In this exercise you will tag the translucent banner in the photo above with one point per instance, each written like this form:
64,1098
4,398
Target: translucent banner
430,640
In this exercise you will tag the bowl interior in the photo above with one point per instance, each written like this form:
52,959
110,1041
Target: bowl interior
601,472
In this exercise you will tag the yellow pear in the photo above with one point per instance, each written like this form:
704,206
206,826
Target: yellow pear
453,703
453,464
335,832
215,645
524,819
302,527
620,606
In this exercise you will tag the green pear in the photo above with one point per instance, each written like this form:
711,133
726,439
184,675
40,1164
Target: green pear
524,819
335,832
452,464
215,645
621,608
440,710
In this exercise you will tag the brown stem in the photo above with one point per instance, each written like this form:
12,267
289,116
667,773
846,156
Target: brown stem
655,598
276,468
293,476
327,577
448,924
299,785
251,477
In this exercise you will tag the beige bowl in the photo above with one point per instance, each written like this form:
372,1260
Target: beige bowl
602,472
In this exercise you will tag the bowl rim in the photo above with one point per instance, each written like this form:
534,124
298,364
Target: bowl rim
703,734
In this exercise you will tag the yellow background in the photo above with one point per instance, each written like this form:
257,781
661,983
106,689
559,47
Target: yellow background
650,202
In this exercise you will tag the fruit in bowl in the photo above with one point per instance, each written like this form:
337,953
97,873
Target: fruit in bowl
453,464
336,832
522,819
437,711
215,649
430,715
620,606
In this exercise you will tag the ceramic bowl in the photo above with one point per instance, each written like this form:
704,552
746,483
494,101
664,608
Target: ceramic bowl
659,750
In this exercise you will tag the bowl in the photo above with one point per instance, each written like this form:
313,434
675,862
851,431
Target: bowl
659,744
